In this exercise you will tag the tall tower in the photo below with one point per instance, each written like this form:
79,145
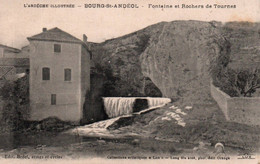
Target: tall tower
59,75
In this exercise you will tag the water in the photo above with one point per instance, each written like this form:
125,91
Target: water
15,140
118,106
99,129
155,101
9,142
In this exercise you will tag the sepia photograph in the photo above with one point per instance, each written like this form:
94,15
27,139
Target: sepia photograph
130,81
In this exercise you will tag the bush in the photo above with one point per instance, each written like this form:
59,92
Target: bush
15,95
238,83
125,84
247,81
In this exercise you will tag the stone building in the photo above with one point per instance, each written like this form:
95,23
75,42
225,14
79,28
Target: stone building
8,52
13,61
59,75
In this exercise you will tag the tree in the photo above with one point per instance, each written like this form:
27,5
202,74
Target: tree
247,81
238,83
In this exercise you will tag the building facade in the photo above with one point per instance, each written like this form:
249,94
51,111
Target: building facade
59,75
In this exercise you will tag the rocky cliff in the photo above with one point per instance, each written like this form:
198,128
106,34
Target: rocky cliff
178,60
173,57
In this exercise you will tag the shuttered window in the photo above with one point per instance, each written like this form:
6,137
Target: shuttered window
45,73
67,74
53,99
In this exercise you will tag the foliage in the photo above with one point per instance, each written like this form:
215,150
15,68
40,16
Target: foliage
122,70
125,83
247,81
15,95
238,83
143,42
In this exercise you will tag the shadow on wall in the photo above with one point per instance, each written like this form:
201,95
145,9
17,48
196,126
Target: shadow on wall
93,109
150,89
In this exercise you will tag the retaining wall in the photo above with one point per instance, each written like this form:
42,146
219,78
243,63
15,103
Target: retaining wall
244,110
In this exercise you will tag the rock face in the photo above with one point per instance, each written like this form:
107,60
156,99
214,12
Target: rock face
175,57
178,59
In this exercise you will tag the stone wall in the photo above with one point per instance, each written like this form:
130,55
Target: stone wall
244,110
221,98
238,109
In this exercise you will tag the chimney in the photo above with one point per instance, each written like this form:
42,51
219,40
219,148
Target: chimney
85,38
44,29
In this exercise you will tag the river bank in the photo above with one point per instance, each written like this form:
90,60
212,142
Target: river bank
173,130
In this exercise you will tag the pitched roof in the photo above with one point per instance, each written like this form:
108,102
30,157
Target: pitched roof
11,49
56,34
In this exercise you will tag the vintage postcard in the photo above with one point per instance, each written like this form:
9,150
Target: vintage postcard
130,81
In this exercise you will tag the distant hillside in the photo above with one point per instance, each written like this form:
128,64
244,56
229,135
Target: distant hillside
245,43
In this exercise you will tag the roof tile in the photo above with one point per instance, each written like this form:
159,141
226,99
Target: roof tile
55,34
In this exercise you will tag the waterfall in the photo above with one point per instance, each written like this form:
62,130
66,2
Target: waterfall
118,106
155,101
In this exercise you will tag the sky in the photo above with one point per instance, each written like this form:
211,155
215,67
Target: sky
18,22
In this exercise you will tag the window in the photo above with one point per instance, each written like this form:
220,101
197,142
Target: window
45,73
57,48
67,74
53,99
